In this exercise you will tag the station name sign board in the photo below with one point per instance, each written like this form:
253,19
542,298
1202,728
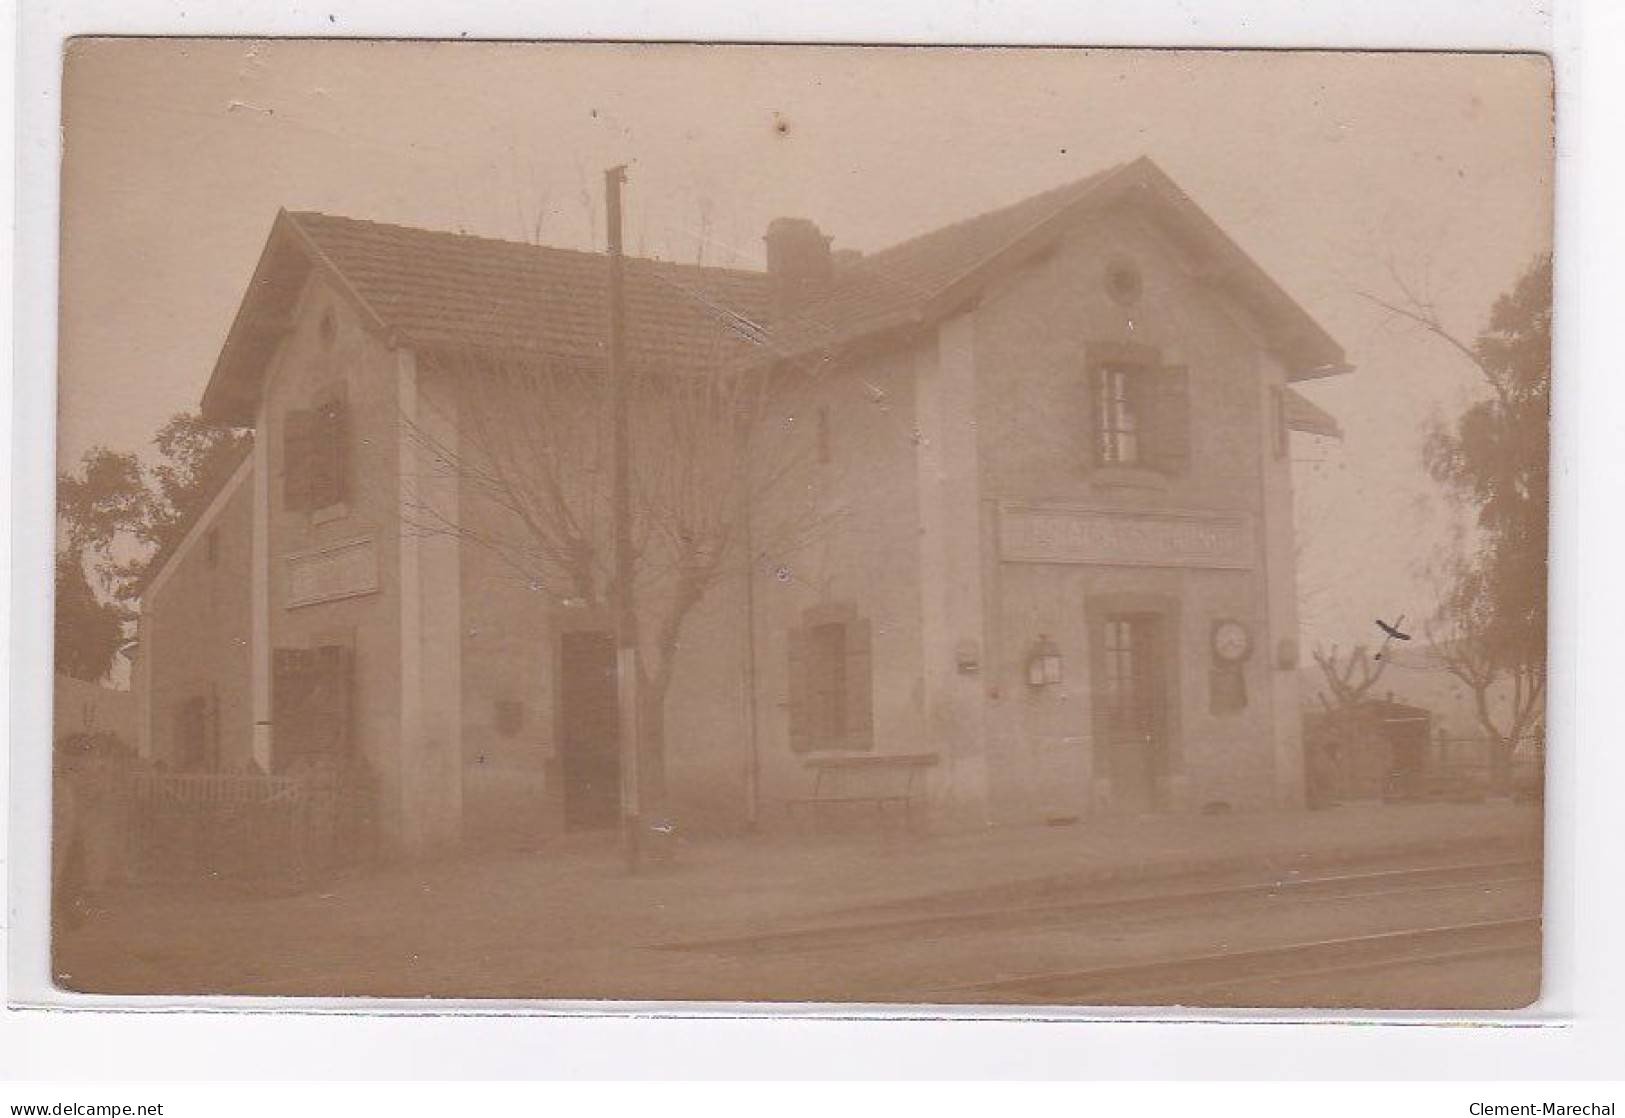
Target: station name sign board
1040,533
340,571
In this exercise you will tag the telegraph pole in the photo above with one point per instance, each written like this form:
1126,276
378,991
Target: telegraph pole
626,644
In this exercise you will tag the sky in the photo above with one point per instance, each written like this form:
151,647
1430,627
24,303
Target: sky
1343,175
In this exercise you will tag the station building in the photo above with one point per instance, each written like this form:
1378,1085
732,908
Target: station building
1056,438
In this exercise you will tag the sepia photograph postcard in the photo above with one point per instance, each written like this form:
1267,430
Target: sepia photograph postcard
950,528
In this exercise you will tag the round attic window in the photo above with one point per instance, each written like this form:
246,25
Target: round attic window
328,328
1123,281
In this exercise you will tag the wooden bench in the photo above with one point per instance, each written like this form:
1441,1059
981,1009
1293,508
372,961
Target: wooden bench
881,780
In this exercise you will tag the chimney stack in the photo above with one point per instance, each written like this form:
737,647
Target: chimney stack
798,263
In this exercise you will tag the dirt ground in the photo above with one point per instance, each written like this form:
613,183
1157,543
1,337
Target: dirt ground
569,922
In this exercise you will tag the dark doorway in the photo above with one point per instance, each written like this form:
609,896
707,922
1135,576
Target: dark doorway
312,692
1133,696
1408,738
589,735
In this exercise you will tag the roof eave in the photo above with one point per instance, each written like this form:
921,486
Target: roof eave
158,573
1319,372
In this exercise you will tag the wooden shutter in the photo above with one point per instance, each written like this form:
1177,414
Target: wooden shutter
1094,445
329,467
1279,432
860,714
802,738
1168,415
290,705
298,439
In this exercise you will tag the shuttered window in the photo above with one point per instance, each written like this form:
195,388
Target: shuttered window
1141,417
1119,409
311,700
831,701
329,454
315,453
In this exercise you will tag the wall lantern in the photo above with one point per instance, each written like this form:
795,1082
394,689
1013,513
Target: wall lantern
1043,663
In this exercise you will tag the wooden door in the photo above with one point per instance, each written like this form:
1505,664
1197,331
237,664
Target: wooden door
589,732
1134,699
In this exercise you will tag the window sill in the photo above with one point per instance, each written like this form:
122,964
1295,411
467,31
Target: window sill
1128,477
329,513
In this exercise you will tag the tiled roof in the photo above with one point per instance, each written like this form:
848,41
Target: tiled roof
450,291
436,290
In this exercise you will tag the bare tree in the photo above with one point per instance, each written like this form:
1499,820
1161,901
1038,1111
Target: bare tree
1348,678
717,456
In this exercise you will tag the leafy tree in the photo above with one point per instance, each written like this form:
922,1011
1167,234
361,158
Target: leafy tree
195,458
121,516
1493,461
89,631
1493,458
115,518
100,507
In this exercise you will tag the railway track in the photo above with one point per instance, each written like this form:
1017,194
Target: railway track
1203,979
1351,887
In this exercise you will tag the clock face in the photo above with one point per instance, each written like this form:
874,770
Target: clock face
1231,641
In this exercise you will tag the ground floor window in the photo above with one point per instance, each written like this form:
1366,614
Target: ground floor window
831,691
1131,700
312,693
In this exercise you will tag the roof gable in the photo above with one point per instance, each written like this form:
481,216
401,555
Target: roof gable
919,280
209,507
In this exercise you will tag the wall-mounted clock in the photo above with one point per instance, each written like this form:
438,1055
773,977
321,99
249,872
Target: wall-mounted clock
1232,641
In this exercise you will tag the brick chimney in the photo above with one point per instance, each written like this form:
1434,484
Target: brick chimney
798,263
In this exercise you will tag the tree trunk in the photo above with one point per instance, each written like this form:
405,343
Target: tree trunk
1501,765
654,684
654,801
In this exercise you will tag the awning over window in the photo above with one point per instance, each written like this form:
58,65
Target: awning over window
1310,418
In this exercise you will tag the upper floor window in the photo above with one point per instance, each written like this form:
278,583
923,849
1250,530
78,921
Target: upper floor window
1119,408
315,466
1141,416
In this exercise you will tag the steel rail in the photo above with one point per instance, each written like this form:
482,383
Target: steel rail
1162,981
1340,886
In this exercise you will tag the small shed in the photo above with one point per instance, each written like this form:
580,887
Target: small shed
1376,749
